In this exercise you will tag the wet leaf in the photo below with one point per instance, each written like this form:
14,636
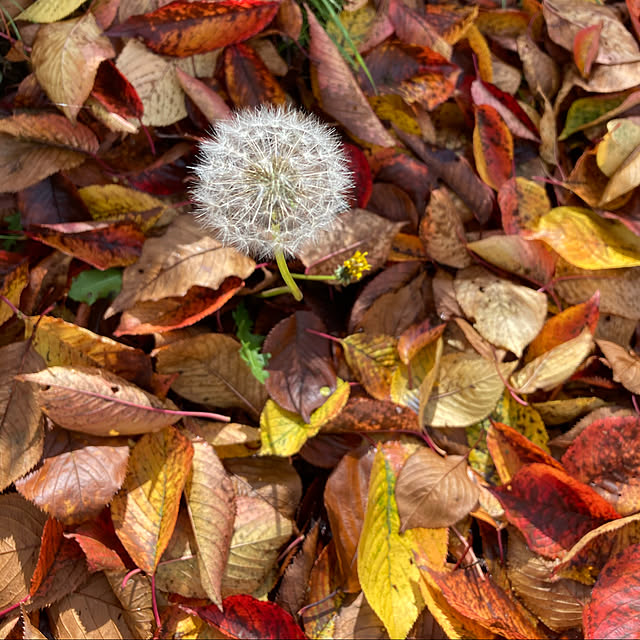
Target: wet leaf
551,509
611,613
210,499
97,402
78,477
588,241
605,457
283,432
66,56
385,561
33,147
434,492
144,513
505,314
184,28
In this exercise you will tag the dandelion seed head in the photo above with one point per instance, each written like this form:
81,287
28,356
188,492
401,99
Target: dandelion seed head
269,180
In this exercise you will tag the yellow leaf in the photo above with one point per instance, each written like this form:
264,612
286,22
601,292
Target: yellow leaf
66,56
588,241
467,389
283,432
372,360
386,568
480,47
555,366
49,10
12,284
622,137
145,510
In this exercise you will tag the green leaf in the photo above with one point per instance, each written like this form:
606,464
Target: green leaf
94,284
251,343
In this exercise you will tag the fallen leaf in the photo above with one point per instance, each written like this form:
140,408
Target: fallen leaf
505,314
144,513
115,93
586,46
492,146
551,509
587,240
522,202
66,56
185,28
213,107
97,402
78,477
625,364
33,147
611,611
43,11
434,492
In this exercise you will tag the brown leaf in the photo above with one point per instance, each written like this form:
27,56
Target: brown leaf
136,601
65,58
300,366
434,492
100,244
33,147
145,511
345,499
78,477
340,94
415,28
207,100
21,432
249,81
97,402
21,525
185,28
358,620
170,265
212,372
210,500
93,611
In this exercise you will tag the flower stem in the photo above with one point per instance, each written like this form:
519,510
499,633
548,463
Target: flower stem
304,276
286,275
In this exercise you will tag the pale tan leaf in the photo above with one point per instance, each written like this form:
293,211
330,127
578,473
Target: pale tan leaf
65,58
558,603
91,612
555,366
33,147
434,492
229,439
98,402
21,432
625,364
466,390
622,137
358,620
170,265
506,314
624,179
154,79
21,525
259,533
49,10
212,372
210,499
135,598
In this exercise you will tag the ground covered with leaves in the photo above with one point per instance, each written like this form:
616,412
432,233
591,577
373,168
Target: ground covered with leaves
441,439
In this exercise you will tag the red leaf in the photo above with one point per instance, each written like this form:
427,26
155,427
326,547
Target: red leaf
249,82
613,610
184,28
492,147
552,509
585,47
115,92
361,174
245,617
300,364
606,455
100,244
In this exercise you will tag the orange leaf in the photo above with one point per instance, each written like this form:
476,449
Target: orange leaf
585,47
492,147
146,509
184,28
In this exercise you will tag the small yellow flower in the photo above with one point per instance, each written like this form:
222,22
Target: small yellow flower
353,268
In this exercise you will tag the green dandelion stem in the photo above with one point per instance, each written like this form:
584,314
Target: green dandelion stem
286,275
304,276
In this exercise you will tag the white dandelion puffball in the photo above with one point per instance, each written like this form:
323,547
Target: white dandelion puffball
269,179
